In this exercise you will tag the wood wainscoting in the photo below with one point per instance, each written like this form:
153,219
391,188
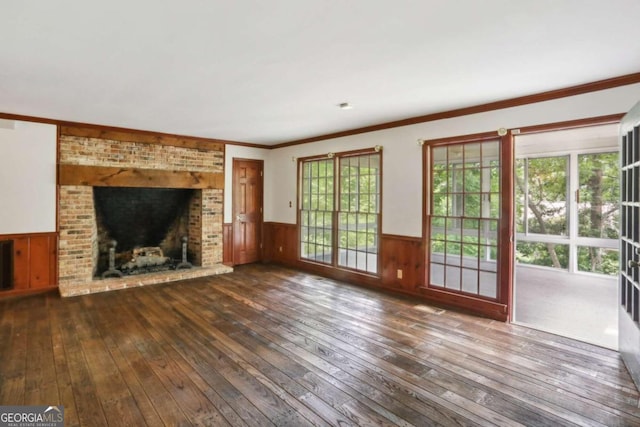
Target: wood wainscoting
402,263
281,243
227,243
396,252
34,262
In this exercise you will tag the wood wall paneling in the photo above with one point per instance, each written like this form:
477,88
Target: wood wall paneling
21,263
41,249
227,243
402,254
35,262
281,243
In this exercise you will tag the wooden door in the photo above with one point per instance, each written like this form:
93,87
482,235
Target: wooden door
247,210
629,309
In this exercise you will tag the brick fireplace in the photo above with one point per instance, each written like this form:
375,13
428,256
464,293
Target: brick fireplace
91,158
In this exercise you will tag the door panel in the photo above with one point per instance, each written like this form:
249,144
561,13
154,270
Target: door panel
247,211
629,285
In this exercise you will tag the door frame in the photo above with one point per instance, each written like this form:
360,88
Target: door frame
234,212
628,281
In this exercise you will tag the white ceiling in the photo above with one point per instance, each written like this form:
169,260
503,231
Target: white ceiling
274,71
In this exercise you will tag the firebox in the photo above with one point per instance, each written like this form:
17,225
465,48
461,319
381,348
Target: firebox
145,228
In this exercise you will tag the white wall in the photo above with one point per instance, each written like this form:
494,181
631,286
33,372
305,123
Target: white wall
402,159
27,177
239,152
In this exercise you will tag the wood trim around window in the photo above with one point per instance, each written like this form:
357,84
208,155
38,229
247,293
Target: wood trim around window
570,124
334,261
500,308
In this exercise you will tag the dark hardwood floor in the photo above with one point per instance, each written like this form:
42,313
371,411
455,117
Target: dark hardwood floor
271,346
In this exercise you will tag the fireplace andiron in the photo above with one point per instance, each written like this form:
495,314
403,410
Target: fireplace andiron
184,263
112,271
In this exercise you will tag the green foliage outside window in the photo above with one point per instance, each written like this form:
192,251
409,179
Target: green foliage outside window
542,194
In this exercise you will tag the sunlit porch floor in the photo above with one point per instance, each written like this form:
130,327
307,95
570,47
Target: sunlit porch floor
578,306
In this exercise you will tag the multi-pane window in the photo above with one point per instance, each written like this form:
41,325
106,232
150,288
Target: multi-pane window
340,213
316,212
359,212
464,217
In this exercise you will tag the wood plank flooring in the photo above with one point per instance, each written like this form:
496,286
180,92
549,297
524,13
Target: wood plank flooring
267,345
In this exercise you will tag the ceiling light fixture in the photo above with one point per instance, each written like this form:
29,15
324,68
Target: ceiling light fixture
345,106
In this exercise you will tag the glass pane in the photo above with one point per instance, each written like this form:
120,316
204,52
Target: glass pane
454,153
488,284
598,260
488,232
491,153
437,274
598,209
488,257
543,254
472,205
437,250
494,204
452,277
472,154
520,196
470,280
457,178
439,178
439,155
472,180
547,195
471,253
453,254
453,230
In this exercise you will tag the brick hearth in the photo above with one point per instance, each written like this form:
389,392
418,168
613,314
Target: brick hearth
78,242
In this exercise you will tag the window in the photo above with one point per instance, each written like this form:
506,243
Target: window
316,214
464,217
567,210
340,212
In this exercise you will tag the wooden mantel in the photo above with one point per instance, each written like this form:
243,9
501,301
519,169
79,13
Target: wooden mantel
101,176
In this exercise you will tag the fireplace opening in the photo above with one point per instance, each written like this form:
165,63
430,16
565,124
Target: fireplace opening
142,230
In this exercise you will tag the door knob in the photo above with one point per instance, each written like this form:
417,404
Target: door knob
633,264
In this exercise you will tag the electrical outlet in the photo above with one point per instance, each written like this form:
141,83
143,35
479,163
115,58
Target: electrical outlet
399,274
